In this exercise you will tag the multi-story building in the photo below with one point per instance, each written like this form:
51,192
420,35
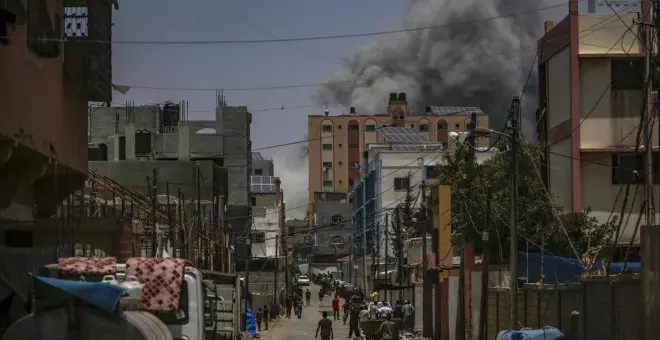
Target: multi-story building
336,143
261,166
45,85
207,160
390,170
590,98
332,227
267,213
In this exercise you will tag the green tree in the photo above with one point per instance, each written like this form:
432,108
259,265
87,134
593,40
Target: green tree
539,227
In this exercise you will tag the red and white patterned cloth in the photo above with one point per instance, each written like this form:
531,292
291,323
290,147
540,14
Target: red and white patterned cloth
87,265
161,281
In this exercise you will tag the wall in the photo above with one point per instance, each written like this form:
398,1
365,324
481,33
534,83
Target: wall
325,215
266,216
610,118
54,125
560,173
599,194
607,35
610,308
558,95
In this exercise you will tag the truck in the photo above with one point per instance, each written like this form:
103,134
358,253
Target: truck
68,307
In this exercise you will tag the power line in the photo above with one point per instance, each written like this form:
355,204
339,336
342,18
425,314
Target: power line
313,38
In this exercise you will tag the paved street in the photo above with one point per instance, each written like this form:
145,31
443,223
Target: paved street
304,328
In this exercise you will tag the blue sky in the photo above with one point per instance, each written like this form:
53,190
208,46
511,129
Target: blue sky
243,65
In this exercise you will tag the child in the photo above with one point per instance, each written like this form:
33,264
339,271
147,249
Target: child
260,316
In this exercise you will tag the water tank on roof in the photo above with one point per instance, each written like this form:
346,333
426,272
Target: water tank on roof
392,96
142,142
171,114
402,97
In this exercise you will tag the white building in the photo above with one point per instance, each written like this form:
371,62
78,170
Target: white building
267,213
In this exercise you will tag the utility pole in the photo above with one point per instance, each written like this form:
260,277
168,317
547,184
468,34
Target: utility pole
399,269
387,254
377,261
170,227
364,258
198,230
648,112
277,268
466,239
154,236
513,237
486,270
427,288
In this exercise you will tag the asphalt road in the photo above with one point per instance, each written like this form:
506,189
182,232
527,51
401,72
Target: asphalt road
304,328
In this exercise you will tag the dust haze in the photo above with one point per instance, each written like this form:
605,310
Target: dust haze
478,62
291,167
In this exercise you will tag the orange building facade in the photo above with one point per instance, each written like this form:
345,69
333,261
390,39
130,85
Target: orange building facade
48,75
336,143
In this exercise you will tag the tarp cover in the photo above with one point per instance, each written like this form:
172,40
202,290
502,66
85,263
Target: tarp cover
99,294
548,333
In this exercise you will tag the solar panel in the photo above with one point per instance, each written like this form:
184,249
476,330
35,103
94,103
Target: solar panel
402,135
415,148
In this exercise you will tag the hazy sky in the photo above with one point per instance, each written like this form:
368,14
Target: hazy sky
242,65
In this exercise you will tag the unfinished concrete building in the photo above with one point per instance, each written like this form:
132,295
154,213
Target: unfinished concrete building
204,163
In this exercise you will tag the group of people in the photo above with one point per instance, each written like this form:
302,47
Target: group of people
356,311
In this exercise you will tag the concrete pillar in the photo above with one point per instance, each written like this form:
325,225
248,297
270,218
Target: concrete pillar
128,240
183,134
129,132
650,247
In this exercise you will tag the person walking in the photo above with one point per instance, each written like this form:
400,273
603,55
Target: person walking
321,298
259,317
266,317
347,310
289,305
308,296
299,307
408,315
354,323
325,326
387,328
335,308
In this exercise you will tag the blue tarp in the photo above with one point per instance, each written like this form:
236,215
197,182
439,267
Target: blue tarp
560,269
251,325
102,295
548,333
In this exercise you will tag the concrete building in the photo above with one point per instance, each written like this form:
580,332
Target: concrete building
590,99
389,170
332,227
267,212
209,159
336,143
262,166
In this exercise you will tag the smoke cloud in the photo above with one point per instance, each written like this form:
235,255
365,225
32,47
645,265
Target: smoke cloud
480,63
291,167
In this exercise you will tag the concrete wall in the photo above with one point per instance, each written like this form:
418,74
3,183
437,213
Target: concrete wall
333,226
266,217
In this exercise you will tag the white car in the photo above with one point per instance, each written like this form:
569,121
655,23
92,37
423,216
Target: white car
303,280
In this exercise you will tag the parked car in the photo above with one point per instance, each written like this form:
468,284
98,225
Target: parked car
303,280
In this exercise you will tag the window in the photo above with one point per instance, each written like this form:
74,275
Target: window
327,128
353,147
442,126
627,74
327,183
401,183
412,126
258,237
370,127
424,128
336,219
457,125
432,172
327,165
355,165
628,168
327,147
254,201
258,172
353,128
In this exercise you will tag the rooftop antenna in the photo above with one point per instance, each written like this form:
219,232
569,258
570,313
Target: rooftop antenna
326,112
